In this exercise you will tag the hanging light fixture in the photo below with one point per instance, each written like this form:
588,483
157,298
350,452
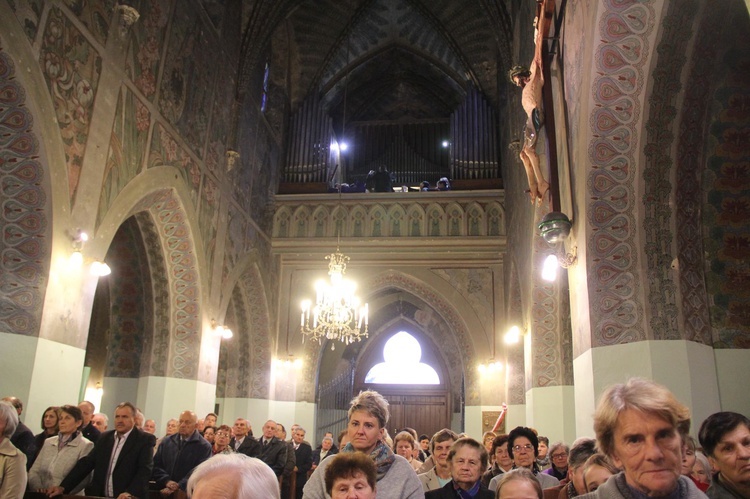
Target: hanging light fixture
337,314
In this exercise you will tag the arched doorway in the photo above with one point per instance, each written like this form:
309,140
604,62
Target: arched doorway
406,367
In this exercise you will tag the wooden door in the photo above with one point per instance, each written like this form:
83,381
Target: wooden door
425,409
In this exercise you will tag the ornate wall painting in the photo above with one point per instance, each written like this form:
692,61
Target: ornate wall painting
96,16
145,51
25,213
187,84
127,147
72,68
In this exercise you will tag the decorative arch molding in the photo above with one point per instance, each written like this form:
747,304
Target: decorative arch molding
252,330
447,311
659,132
621,60
514,354
696,323
159,193
26,207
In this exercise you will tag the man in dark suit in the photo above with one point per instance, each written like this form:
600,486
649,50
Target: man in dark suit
273,450
243,441
291,462
23,437
303,457
121,461
87,428
178,454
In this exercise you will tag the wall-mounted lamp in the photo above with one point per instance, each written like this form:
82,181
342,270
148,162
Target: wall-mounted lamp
491,366
554,261
289,363
78,239
513,335
100,269
221,331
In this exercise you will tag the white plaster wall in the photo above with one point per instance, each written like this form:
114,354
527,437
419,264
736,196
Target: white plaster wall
551,411
733,371
117,390
686,368
55,378
288,413
17,355
516,416
161,398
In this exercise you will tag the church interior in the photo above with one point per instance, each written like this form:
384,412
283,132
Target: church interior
174,170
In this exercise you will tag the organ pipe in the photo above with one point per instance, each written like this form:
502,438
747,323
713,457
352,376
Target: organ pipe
309,155
474,139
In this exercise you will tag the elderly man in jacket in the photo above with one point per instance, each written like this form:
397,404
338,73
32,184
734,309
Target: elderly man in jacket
178,454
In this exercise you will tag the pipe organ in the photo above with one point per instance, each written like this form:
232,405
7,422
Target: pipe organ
474,140
461,147
312,151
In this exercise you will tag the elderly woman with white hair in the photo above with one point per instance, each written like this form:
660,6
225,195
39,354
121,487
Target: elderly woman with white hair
226,476
368,416
13,475
639,426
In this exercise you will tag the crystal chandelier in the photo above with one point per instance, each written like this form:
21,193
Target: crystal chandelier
337,314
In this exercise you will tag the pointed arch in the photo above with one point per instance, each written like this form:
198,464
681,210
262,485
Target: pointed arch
167,203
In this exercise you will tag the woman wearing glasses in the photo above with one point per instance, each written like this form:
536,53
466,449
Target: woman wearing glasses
221,440
523,447
558,455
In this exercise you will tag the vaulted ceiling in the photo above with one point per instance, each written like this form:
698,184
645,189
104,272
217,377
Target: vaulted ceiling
385,59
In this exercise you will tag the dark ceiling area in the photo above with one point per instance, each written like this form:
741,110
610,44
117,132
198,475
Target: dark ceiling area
394,59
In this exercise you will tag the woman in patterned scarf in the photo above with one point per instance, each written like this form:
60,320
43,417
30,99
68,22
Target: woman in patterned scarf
368,417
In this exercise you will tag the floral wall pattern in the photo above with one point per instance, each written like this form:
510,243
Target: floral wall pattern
72,68
617,312
147,45
727,207
25,214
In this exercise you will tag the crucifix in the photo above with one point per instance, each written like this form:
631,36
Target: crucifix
531,80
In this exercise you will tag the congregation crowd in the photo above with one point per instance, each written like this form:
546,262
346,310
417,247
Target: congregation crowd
642,449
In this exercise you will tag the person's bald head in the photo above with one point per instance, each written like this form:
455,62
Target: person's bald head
188,421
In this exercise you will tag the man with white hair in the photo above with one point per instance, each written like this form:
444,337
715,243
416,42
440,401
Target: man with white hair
273,451
232,475
101,421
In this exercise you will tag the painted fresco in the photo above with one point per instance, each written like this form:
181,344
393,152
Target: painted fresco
94,15
165,151
221,123
209,217
25,214
186,88
129,296
28,13
71,67
127,146
727,208
147,47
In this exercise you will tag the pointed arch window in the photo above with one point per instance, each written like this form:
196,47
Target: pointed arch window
403,355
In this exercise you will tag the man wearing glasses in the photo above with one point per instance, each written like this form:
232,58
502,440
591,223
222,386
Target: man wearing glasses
523,447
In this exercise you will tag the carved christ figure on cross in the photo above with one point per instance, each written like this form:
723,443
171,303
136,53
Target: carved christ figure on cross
531,81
